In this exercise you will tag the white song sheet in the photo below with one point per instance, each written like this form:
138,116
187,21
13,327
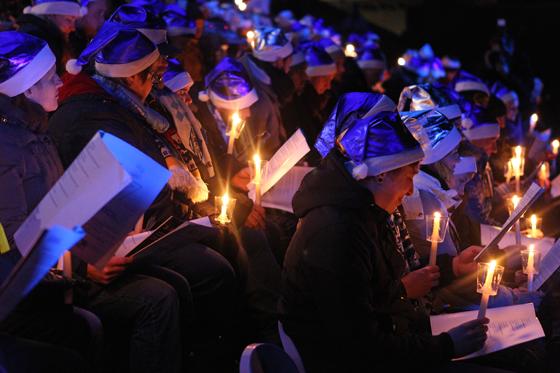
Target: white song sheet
509,326
528,199
106,189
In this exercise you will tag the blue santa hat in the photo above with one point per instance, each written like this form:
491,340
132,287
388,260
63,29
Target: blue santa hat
436,134
319,63
285,19
367,129
450,63
24,60
371,58
58,7
334,50
477,124
507,96
154,6
143,20
466,82
175,77
466,165
271,44
118,52
178,22
298,57
430,96
228,86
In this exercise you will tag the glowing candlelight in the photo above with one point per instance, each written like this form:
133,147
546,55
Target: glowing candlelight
555,145
534,225
533,122
435,238
350,51
223,216
257,178
530,267
235,123
251,38
487,289
518,164
544,172
401,61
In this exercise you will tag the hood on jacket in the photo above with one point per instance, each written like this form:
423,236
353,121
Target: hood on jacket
330,184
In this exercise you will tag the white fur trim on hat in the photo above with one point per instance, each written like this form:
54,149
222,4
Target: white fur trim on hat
155,35
321,70
63,8
179,81
386,163
179,31
443,148
466,165
483,131
450,111
237,104
333,49
30,74
125,70
371,64
274,54
297,59
471,86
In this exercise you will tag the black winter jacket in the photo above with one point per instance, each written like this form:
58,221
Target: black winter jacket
343,302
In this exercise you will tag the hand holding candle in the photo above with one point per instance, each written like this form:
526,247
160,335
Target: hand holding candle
257,172
488,279
225,206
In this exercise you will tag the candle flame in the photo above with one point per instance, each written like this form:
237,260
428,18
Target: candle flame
555,146
401,61
515,200
534,221
492,265
350,51
518,150
437,215
534,119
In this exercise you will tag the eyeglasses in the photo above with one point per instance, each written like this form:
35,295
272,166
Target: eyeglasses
155,77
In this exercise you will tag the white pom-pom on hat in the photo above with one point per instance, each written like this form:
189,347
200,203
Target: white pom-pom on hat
73,67
83,11
203,96
360,171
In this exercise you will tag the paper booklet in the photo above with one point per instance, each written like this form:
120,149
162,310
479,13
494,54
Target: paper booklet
136,244
509,326
280,195
489,232
555,187
532,194
549,264
106,190
283,160
539,145
33,266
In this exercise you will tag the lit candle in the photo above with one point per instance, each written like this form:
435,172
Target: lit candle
350,51
251,38
435,238
487,289
235,122
533,122
534,225
515,201
401,61
257,179
555,145
530,267
544,172
517,163
223,216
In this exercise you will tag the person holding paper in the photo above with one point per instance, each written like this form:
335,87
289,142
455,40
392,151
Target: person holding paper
113,99
30,166
350,279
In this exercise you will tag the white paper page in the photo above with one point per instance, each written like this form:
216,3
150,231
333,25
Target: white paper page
204,221
530,196
509,326
539,145
283,160
280,195
549,264
91,181
488,232
130,242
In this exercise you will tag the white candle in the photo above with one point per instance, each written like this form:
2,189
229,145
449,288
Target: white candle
257,179
350,51
544,172
487,289
235,122
534,228
533,122
251,38
530,267
223,217
555,145
517,163
435,238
